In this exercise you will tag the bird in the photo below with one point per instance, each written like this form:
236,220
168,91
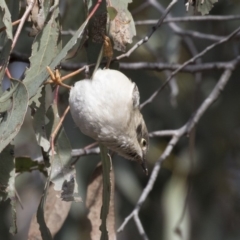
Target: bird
107,109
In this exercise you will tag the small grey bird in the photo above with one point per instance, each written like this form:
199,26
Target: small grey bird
106,108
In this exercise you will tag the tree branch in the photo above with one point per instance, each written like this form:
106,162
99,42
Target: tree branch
23,19
190,19
192,60
147,37
177,134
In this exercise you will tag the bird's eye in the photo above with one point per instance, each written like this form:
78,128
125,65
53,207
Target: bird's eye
143,142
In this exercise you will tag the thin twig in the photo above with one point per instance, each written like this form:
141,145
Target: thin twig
54,133
147,37
178,134
164,133
182,32
22,21
161,66
192,60
190,19
13,24
140,227
94,9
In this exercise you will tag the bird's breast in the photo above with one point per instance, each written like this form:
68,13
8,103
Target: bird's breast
101,107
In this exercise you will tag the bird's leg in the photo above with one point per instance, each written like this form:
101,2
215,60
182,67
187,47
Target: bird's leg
57,79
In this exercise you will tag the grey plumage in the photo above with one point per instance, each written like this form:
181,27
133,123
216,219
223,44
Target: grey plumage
106,108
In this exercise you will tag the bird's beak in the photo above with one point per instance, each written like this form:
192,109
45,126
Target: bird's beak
143,165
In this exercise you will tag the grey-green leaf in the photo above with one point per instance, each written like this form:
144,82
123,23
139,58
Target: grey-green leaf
44,50
204,7
112,12
6,167
13,120
45,232
6,99
33,82
62,174
5,38
7,182
5,19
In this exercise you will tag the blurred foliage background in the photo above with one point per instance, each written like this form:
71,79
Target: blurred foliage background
197,185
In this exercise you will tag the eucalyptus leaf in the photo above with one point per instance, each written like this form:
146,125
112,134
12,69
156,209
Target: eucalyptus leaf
7,182
204,7
44,50
15,116
122,28
45,232
5,38
62,174
39,120
56,212
5,19
6,168
34,81
112,12
6,99
25,164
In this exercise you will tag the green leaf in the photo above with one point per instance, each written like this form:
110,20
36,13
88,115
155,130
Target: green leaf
205,7
62,173
112,12
6,99
39,119
33,82
5,19
24,164
5,38
12,123
6,168
44,50
7,182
